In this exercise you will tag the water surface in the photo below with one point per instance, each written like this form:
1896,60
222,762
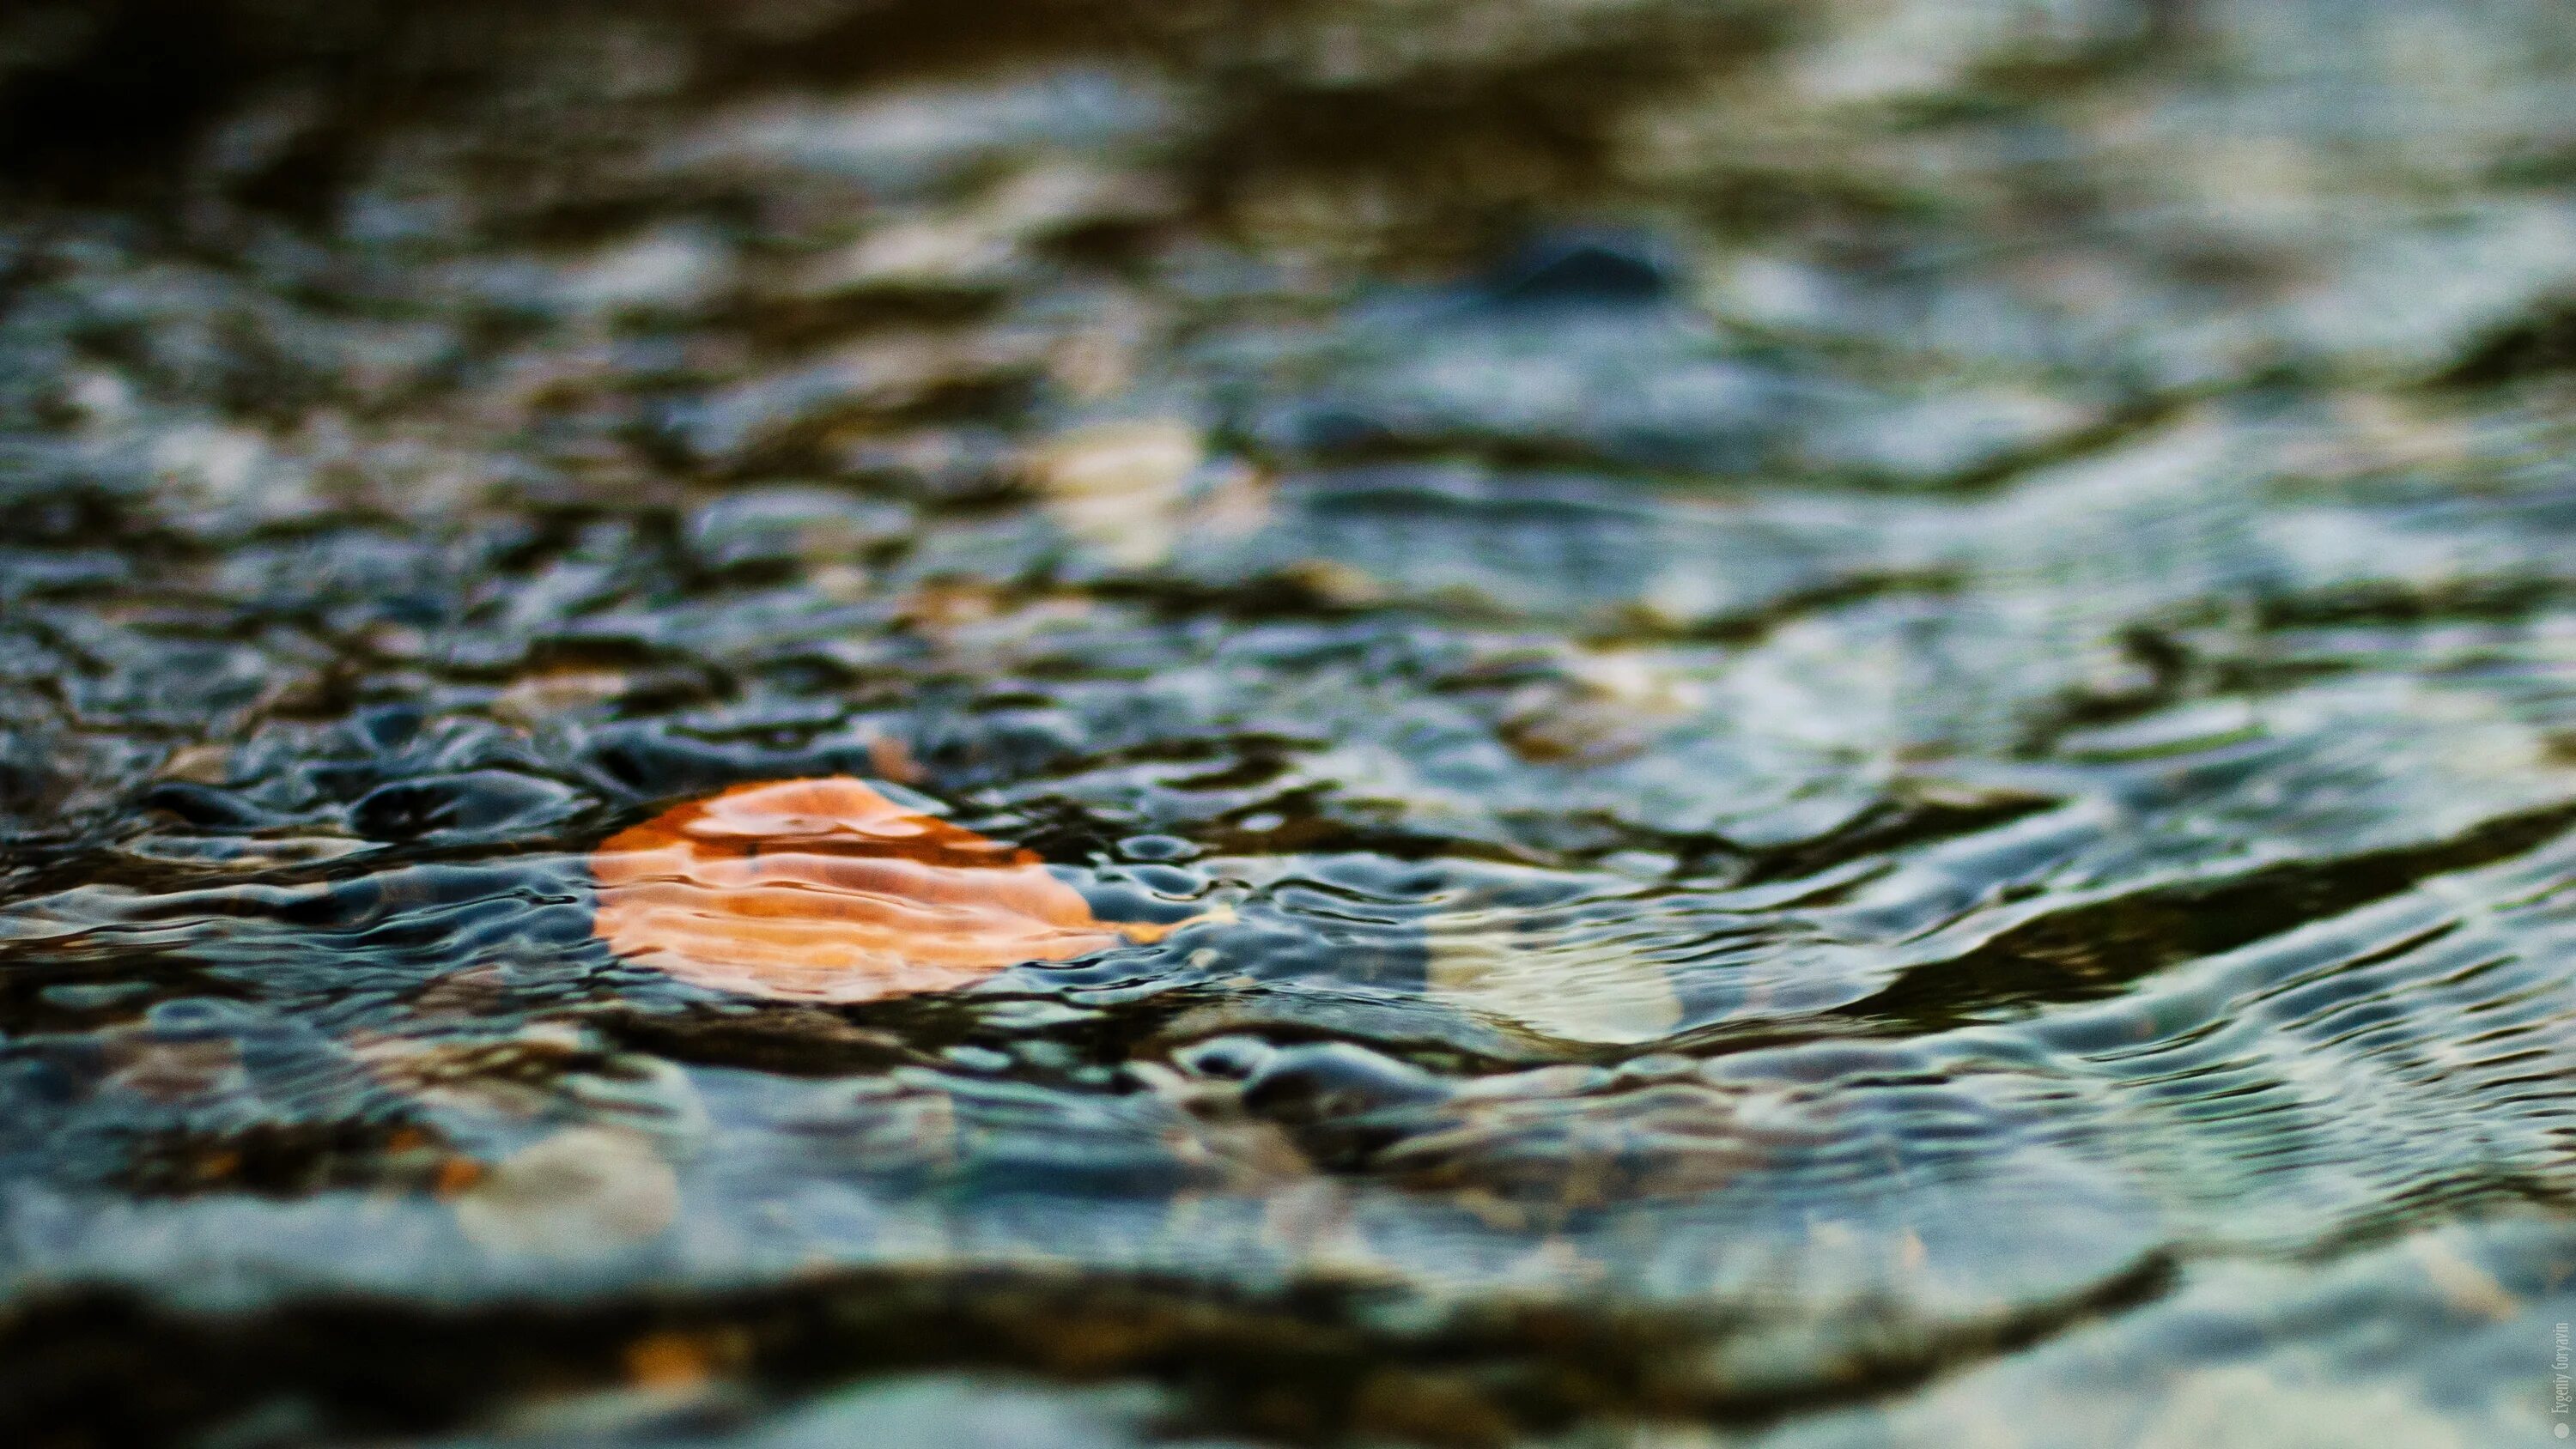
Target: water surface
1874,707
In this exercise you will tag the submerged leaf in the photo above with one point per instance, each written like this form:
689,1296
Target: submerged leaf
1119,486
825,890
1575,991
580,1192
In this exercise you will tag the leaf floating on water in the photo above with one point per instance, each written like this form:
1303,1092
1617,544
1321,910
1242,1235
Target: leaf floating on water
824,890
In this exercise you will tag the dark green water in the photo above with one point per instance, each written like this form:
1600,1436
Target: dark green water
1884,695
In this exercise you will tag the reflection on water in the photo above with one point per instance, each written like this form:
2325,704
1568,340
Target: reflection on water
1865,716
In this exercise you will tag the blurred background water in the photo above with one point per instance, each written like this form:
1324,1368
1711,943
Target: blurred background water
1882,694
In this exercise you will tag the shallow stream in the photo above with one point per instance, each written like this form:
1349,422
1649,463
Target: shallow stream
1871,709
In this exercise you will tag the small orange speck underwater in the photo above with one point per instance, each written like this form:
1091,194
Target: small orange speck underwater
825,890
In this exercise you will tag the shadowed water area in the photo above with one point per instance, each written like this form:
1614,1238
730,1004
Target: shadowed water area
1779,724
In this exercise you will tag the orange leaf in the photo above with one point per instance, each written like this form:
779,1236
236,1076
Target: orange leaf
825,890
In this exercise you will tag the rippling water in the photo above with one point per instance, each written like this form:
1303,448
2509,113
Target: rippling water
1872,709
